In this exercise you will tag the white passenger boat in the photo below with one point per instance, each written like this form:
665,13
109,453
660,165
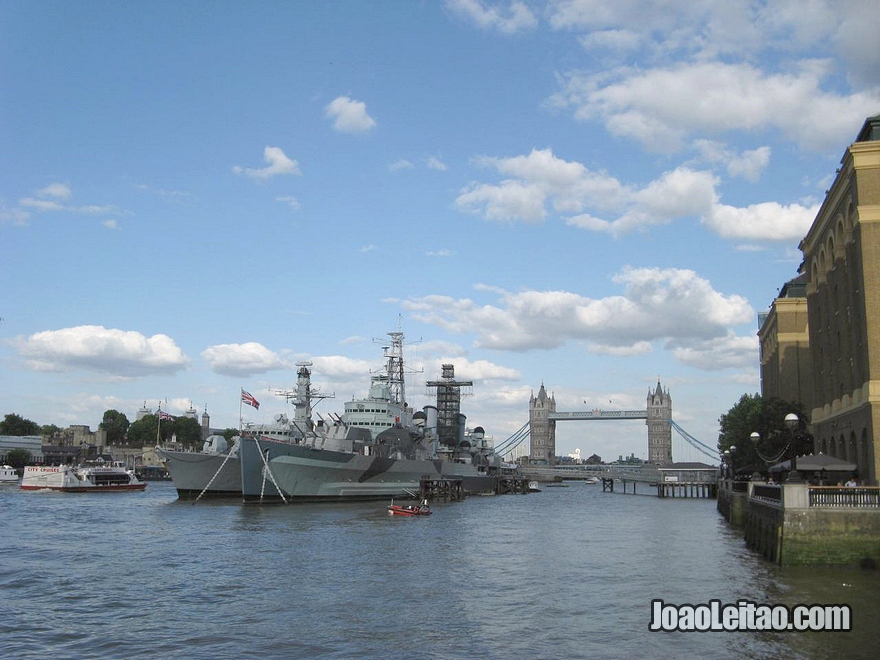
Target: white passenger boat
8,475
93,476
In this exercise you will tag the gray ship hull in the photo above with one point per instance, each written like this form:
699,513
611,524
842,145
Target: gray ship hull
303,473
192,472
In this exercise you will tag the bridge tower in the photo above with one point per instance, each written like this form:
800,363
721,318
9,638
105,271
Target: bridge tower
659,428
542,430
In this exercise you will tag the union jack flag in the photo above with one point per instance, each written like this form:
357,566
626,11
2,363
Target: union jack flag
249,399
164,415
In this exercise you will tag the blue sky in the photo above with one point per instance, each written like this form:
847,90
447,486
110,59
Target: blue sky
585,195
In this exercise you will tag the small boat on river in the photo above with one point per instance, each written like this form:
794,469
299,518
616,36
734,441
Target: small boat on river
90,477
8,475
421,509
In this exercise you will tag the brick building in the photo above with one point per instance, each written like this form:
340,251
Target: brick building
841,254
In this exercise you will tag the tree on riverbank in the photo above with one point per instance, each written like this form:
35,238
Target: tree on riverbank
145,432
116,425
14,424
766,417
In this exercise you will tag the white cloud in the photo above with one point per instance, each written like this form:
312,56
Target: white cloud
856,40
120,353
508,19
434,163
43,205
243,359
730,351
766,221
15,216
544,181
278,161
466,369
349,116
668,305
59,190
292,202
540,177
748,164
759,32
615,40
662,107
401,164
507,201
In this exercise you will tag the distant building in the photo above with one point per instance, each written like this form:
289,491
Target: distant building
143,412
784,335
29,443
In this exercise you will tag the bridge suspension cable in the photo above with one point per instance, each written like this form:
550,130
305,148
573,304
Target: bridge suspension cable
513,441
693,442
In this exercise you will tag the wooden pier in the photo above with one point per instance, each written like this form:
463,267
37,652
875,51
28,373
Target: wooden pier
685,489
511,486
680,489
449,490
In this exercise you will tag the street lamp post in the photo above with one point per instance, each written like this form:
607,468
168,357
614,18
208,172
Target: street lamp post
792,421
755,437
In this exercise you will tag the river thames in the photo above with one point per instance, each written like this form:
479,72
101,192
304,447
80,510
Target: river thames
568,572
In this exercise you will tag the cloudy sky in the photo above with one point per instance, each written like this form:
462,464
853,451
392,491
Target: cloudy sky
586,195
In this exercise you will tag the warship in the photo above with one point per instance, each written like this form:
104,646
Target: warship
377,449
216,471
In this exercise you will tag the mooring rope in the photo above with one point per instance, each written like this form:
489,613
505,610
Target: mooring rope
269,472
208,485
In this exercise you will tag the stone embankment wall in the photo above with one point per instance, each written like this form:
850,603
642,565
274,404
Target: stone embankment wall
783,525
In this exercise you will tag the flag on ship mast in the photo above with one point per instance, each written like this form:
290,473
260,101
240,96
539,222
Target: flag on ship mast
249,399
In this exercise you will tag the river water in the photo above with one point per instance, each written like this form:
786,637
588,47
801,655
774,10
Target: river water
569,572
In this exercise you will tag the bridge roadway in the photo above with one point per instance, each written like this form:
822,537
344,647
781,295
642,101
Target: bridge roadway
598,414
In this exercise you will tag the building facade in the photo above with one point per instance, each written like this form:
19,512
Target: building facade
841,255
784,335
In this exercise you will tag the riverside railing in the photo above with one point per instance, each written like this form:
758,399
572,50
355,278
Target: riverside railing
767,493
843,496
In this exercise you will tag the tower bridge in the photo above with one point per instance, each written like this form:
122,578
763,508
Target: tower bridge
543,418
682,479
540,430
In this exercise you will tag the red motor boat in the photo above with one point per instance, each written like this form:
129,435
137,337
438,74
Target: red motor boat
421,509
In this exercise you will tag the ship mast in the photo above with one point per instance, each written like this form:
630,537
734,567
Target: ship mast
394,368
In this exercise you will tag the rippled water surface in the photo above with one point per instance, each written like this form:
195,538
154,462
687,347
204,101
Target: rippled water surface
566,573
